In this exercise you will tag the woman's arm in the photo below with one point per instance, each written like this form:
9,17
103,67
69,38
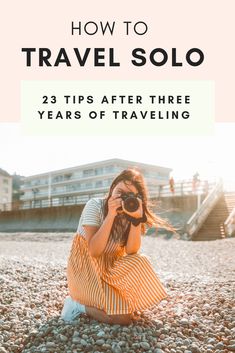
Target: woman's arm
97,239
134,240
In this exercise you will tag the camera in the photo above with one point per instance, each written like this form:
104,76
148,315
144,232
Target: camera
131,202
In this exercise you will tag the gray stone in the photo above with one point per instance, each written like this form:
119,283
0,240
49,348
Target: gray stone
2,350
106,346
219,345
76,334
122,343
83,342
206,307
158,324
211,340
100,334
116,348
195,349
184,322
63,338
100,342
145,345
115,327
76,340
50,344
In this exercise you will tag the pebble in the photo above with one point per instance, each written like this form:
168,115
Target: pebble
100,334
197,317
76,340
116,348
50,344
145,345
2,350
184,322
63,338
100,342
195,349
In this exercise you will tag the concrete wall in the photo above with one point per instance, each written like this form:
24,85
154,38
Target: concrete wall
54,219
65,218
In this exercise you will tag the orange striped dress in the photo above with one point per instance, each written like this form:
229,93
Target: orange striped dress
115,282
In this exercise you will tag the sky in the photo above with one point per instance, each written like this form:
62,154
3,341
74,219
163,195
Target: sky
209,155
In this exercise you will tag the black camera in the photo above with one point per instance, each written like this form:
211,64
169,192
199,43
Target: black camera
131,202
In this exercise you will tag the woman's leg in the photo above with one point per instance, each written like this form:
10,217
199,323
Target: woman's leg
101,315
97,314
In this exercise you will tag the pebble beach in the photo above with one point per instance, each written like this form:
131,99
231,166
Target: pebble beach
197,316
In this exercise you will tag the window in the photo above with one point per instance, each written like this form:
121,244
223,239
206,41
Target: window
71,187
57,179
69,200
88,172
107,182
98,171
98,195
55,201
83,198
77,174
109,169
67,176
35,182
5,181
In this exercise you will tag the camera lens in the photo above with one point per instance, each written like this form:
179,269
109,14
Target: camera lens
131,203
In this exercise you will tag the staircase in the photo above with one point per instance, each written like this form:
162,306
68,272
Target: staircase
213,227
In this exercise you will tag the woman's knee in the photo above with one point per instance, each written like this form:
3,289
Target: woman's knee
140,259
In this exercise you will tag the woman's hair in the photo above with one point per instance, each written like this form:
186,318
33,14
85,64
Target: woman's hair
133,176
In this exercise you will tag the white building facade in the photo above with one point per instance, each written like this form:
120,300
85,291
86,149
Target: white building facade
78,184
5,190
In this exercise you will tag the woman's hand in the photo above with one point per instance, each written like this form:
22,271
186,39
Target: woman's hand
113,203
138,213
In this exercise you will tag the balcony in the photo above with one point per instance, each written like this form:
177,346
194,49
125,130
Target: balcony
66,192
68,181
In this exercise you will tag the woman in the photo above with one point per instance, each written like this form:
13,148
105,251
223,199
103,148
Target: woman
108,279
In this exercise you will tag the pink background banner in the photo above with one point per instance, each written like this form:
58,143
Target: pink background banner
208,25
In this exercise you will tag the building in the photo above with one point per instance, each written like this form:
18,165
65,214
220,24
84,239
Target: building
16,187
5,190
77,184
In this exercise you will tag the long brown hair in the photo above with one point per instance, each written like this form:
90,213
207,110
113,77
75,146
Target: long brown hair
133,176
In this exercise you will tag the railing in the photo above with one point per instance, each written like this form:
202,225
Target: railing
229,224
182,188
22,205
199,217
186,187
102,188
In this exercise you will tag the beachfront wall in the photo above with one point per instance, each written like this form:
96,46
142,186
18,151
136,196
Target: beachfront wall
51,219
66,218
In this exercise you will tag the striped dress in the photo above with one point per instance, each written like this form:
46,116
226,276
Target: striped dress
115,282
